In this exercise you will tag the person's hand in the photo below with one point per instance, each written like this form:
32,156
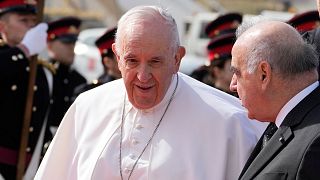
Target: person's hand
35,40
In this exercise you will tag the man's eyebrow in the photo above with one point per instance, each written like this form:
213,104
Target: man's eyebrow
129,55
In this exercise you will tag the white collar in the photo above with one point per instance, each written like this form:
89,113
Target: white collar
294,101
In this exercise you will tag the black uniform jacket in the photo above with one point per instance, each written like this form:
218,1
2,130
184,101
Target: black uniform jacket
14,74
64,83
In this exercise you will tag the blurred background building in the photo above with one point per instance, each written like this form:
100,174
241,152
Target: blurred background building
191,15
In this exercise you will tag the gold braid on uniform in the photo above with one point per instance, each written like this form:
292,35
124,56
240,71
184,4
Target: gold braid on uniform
47,65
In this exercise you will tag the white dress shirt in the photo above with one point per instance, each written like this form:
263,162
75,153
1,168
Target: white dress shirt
294,101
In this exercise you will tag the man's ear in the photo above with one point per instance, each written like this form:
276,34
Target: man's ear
114,49
178,57
264,70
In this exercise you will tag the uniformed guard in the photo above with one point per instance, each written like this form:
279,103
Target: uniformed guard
217,73
306,21
20,39
108,59
219,54
62,36
309,23
223,24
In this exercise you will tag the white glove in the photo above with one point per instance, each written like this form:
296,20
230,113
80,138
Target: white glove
35,40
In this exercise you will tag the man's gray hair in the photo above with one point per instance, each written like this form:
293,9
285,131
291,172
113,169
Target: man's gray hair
138,14
287,57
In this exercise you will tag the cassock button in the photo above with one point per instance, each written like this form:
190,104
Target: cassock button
135,142
14,87
27,68
34,108
31,129
139,126
28,149
51,101
35,88
126,170
65,81
14,58
132,156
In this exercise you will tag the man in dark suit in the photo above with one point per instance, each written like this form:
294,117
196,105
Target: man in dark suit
20,39
275,75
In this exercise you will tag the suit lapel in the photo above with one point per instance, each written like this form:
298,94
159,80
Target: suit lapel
279,140
259,159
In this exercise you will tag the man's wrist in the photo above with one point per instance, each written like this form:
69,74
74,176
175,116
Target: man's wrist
24,49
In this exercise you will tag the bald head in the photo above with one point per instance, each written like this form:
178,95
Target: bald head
143,20
280,45
273,32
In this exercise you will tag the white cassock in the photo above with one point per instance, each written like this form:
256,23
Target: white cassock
205,134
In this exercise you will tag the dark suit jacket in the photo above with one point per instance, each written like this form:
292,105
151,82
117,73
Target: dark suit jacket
294,150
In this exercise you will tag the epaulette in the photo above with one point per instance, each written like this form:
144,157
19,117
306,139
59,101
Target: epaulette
47,65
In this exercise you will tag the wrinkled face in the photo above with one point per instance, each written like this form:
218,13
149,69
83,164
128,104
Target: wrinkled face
147,63
14,26
62,52
245,84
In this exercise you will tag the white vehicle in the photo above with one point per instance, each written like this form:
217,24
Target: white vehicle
87,56
195,40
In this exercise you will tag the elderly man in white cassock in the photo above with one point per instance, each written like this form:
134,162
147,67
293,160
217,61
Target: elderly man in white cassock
155,123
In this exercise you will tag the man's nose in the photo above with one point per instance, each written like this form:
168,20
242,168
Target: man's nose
144,73
233,84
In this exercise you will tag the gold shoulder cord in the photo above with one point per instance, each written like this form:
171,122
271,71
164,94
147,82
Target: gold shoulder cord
47,65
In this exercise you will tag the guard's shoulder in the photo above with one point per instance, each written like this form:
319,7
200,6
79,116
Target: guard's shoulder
47,65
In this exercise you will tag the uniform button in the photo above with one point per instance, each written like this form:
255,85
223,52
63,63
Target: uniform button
51,101
95,81
28,149
139,126
20,56
27,68
66,81
46,145
134,142
14,58
35,88
66,98
14,87
30,129
34,109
